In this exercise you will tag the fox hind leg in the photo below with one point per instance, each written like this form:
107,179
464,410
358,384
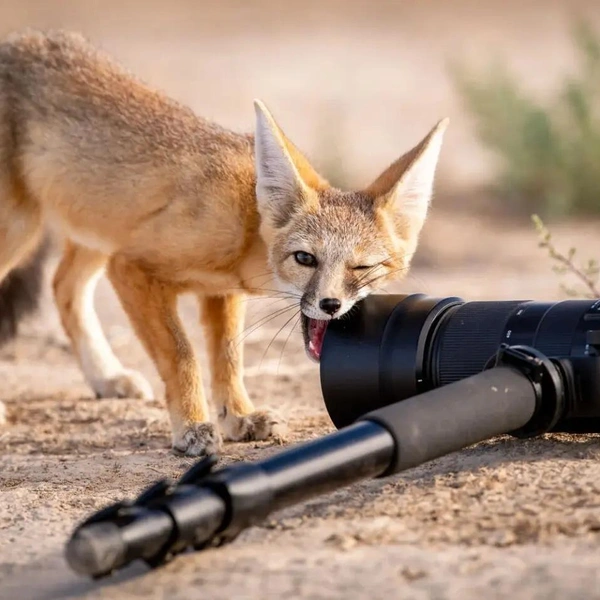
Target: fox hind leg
74,285
22,259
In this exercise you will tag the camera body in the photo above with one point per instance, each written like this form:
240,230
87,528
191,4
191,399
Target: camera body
393,347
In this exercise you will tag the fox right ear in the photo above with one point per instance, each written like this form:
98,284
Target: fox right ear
406,186
284,177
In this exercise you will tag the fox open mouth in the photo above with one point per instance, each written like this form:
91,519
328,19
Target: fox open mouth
313,331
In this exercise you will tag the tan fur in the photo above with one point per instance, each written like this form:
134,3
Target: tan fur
167,203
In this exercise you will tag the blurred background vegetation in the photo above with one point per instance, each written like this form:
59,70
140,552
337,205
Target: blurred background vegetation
548,149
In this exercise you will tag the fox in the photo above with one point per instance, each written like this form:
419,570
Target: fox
163,202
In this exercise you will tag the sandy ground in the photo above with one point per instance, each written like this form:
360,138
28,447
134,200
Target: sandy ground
502,518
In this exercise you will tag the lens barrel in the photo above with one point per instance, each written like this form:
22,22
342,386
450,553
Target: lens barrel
396,346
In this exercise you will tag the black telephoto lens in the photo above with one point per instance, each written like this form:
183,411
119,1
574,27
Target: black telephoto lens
396,346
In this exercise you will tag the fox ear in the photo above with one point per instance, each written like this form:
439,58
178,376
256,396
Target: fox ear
284,177
406,186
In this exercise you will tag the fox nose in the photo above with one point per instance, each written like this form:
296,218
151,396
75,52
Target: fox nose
330,305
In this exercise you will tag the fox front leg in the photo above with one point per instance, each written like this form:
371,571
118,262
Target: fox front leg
223,321
151,306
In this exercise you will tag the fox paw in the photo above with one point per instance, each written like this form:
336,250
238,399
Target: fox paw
199,439
128,384
257,426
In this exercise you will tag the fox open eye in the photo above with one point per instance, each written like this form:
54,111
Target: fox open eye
305,259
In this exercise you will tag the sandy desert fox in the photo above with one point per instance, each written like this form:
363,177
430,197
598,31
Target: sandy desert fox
165,202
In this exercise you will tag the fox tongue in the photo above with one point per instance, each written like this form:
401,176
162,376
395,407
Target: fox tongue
316,335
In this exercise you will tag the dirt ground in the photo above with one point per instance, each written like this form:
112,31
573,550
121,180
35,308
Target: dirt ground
504,518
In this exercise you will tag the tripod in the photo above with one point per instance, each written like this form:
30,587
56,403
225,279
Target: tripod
522,392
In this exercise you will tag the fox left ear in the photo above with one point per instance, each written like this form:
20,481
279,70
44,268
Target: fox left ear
284,177
406,186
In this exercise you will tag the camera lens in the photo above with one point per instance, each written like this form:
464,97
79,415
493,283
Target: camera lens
395,346
470,334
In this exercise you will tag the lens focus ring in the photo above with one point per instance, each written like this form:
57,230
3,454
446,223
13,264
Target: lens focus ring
469,335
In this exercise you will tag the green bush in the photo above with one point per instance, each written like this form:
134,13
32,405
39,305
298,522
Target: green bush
549,151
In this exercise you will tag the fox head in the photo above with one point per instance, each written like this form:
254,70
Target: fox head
330,248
